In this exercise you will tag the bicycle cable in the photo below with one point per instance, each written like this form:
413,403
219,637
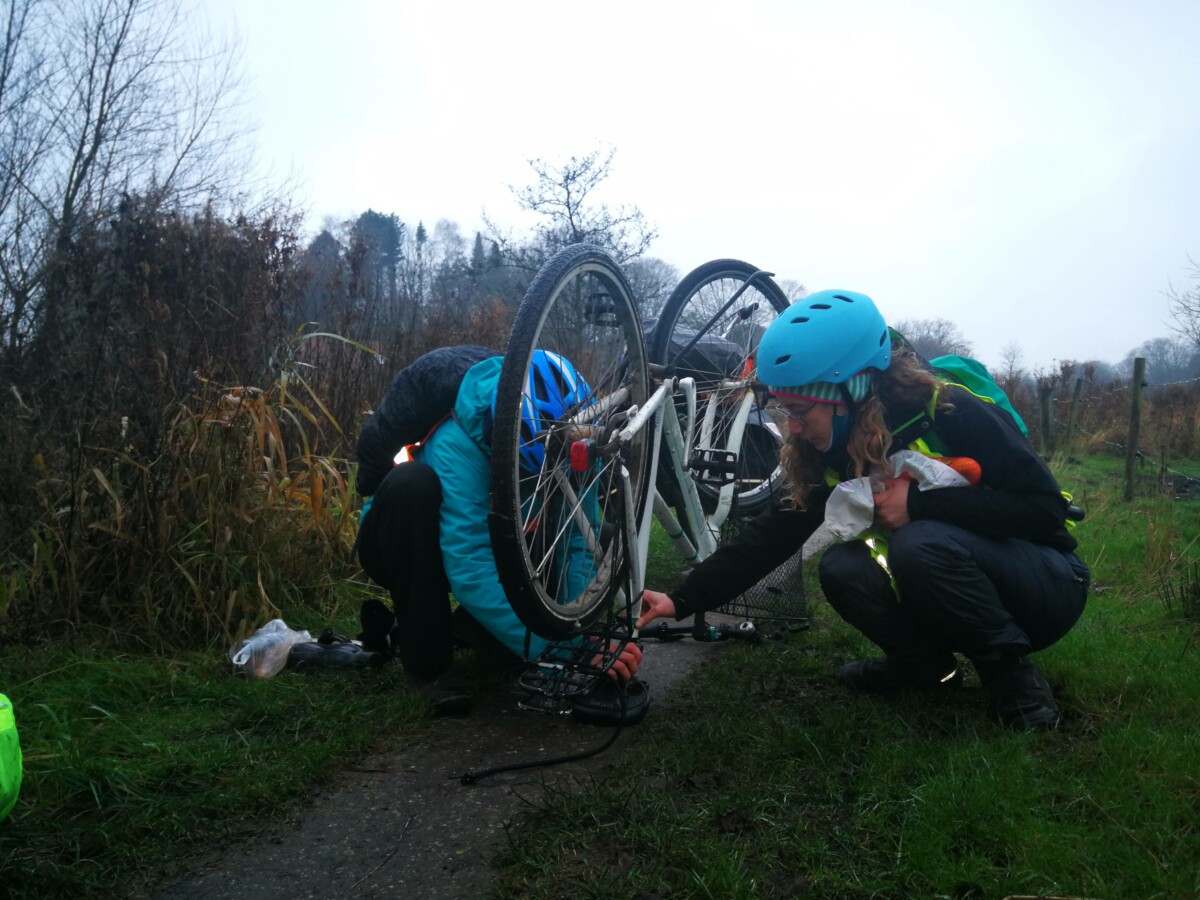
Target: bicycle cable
475,777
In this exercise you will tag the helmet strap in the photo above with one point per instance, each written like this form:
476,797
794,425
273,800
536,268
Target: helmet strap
842,426
847,398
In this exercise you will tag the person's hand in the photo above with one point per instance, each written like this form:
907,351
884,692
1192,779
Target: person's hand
891,504
655,605
626,664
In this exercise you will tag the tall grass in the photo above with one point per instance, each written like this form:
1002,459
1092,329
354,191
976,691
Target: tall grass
241,512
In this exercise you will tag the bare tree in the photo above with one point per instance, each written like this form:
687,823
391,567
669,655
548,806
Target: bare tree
1011,359
934,337
1097,371
563,196
652,281
1167,359
99,98
795,290
1185,306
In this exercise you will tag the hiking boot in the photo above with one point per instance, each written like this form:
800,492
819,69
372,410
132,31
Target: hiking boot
611,703
1019,694
446,694
892,674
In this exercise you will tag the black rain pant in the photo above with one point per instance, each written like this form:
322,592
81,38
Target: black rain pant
959,592
399,549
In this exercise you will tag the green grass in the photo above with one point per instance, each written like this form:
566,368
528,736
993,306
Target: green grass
134,761
767,779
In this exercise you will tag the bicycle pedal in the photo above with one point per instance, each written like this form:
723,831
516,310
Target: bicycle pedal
714,467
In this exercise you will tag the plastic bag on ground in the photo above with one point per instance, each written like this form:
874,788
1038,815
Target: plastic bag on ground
266,651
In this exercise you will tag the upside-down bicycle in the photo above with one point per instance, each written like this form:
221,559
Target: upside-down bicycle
671,429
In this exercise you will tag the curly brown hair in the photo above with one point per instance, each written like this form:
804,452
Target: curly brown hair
905,383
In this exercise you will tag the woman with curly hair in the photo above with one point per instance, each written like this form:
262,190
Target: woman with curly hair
986,570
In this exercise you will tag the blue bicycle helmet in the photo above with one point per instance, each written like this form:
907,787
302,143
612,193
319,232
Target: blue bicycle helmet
554,386
820,347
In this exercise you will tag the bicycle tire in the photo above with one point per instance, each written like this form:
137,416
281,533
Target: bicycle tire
689,309
558,536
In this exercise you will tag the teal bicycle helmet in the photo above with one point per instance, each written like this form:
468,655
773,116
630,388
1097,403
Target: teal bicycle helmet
820,347
554,387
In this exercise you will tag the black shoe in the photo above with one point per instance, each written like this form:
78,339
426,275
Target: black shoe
892,674
446,694
610,703
341,654
1020,695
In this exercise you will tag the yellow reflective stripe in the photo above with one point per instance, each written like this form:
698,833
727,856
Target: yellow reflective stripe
959,384
878,546
1069,522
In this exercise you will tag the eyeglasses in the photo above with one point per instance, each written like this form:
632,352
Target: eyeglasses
785,414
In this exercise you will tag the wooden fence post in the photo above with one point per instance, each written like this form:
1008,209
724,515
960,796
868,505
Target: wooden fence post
1073,417
1135,422
1046,432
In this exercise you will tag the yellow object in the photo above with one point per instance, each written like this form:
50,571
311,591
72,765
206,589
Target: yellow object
10,758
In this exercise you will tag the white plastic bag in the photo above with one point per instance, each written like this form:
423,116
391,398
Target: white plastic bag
265,652
850,510
927,472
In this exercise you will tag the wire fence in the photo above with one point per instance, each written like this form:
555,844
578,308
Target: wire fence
1143,456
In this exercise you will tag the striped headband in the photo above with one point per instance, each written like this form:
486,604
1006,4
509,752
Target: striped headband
827,391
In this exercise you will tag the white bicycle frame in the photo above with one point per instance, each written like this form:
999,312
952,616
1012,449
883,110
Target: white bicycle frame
660,414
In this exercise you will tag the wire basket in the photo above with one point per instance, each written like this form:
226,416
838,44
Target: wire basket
778,601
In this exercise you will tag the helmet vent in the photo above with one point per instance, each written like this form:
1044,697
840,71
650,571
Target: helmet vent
842,298
783,359
883,338
799,320
820,306
560,379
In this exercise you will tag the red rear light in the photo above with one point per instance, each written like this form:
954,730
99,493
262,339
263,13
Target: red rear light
581,456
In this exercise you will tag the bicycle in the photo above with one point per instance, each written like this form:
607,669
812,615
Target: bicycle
666,431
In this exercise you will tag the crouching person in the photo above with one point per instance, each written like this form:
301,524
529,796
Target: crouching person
424,527
987,571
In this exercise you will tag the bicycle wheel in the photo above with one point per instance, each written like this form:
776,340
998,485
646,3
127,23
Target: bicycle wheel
703,334
559,534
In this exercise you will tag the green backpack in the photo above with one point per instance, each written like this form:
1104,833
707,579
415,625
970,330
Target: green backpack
10,758
917,433
974,376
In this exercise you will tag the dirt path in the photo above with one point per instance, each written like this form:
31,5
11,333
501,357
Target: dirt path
400,824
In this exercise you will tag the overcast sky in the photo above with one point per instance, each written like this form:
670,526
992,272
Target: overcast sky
1029,169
